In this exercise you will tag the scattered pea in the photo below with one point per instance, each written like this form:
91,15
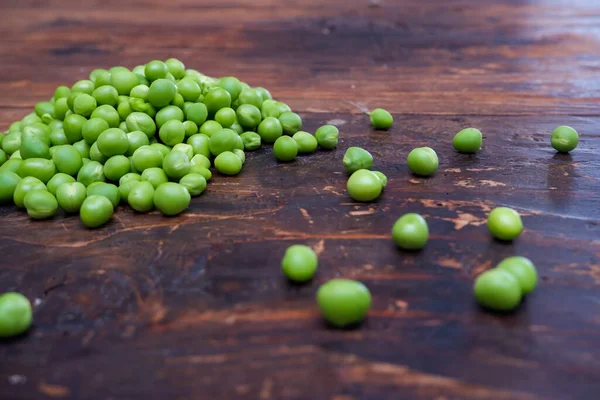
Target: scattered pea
410,232
505,223
422,161
343,302
364,185
381,119
299,263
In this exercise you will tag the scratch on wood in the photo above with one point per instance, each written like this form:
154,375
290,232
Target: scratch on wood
457,170
54,390
466,183
449,263
464,219
337,122
362,212
416,181
482,169
306,215
319,247
332,190
267,388
487,182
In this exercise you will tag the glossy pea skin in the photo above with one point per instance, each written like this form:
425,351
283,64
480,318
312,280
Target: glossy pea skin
155,69
156,176
523,270
175,67
505,223
32,147
497,289
3,157
224,140
40,204
422,161
172,132
357,158
410,232
226,116
185,149
124,81
270,129
194,183
8,183
216,99
232,85
139,92
285,149
67,160
132,176
12,165
24,186
112,142
343,302
205,172
107,113
176,165
136,140
58,137
116,166
299,263
264,93
138,121
141,197
201,160
290,122
250,96
90,173
228,163
147,157
58,180
84,105
381,119
11,143
106,95
190,128
327,136
108,190
125,189
161,92
564,139
382,178
37,167
171,198
83,148
92,128
249,116
210,127
73,126
162,149
167,114
307,143
197,113
251,140
70,196
15,314
96,211
200,144
468,140
363,185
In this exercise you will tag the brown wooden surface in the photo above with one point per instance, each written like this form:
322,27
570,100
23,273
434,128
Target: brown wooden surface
195,307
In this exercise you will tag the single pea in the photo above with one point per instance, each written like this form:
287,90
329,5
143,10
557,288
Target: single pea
270,130
61,91
285,149
200,170
138,121
216,99
24,186
124,81
11,143
15,314
224,140
58,180
240,153
248,115
382,178
264,93
467,141
176,68
232,85
118,68
327,136
155,176
61,107
139,92
37,167
299,263
564,139
8,183
16,126
497,289
125,189
161,93
102,78
228,163
226,117
208,128
422,161
176,165
172,132
96,211
90,173
523,270
124,109
200,144
67,160
70,196
410,232
84,105
250,96
112,142
172,198
290,122
73,126
32,147
110,191
83,148
505,223
141,197
189,89
343,302
363,185
3,157
106,95
39,130
147,157
131,176
163,149
155,69
83,86
307,143
40,204
116,166
55,124
107,113
194,183
197,113
44,108
92,128
190,128
123,126
357,158
30,119
185,149
136,140
140,105
381,119
12,165
95,154
251,140
167,114
237,128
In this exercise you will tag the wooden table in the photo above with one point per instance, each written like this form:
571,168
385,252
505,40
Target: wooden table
195,307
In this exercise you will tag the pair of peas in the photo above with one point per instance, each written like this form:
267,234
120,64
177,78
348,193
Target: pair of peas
286,148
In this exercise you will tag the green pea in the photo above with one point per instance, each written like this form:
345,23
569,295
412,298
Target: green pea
176,164
58,137
228,163
172,132
124,109
30,120
357,158
147,157
112,142
264,93
189,89
95,154
117,166
141,197
194,183
285,149
382,178
190,128
232,85
363,185
90,173
155,69
467,141
96,211
16,155
161,92
32,147
136,140
110,191
290,122
124,81
106,95
178,101
208,128
250,96
410,232
3,157
184,148
422,161
200,144
92,128
83,86
226,117
61,107
58,180
200,170
24,186
564,139
251,140
176,68
249,116
327,136
12,143
102,78
343,302
139,92
270,129
125,189
16,126
70,196
164,150
84,105
73,126
55,124
167,114
197,113
67,160
171,198
83,148
216,99
131,176
299,263
12,165
505,223
201,160
40,204
61,91
39,168
8,183
523,270
497,289
224,140
306,142
381,119
15,314
107,113
138,121
155,176
270,108
241,155
44,108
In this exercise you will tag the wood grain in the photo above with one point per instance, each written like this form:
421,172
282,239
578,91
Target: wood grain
195,307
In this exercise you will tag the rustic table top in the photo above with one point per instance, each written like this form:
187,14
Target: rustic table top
195,307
